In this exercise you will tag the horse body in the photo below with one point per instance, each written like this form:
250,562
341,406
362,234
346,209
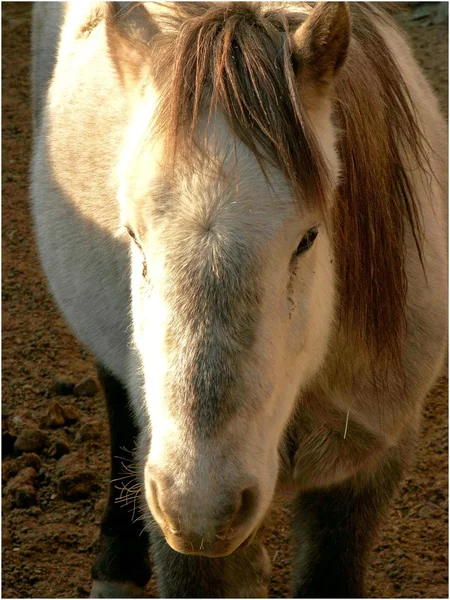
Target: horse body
101,281
226,319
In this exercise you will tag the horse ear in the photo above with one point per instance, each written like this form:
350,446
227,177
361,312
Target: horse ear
129,32
320,46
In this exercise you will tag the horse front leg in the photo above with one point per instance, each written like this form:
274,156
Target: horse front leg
335,527
121,568
243,574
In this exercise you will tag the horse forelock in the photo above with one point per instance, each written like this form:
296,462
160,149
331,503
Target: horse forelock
236,57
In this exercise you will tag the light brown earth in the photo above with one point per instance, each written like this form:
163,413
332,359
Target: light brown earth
48,546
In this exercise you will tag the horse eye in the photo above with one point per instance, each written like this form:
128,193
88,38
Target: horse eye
307,241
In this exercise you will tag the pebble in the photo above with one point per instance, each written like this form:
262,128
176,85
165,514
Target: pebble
55,416
425,513
59,448
76,481
63,385
76,486
30,440
71,414
89,431
20,488
86,387
59,415
69,463
30,459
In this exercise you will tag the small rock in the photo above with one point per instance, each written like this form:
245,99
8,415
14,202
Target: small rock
10,468
76,486
424,513
71,414
30,459
55,416
59,415
24,476
21,489
76,481
70,463
89,431
30,440
63,385
59,448
86,387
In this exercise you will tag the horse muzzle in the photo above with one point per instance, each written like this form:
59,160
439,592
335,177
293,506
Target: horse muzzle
213,546
185,522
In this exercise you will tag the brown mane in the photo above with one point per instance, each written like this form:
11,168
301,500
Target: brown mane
236,56
375,201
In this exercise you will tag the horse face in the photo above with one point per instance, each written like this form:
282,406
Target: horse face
232,296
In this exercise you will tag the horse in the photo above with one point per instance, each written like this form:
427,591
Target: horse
240,210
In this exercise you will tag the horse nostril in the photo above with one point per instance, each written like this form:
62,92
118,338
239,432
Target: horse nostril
155,501
247,507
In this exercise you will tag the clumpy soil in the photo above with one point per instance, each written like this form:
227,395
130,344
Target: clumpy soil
54,492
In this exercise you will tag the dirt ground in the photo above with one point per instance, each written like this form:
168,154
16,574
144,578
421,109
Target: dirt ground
52,508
